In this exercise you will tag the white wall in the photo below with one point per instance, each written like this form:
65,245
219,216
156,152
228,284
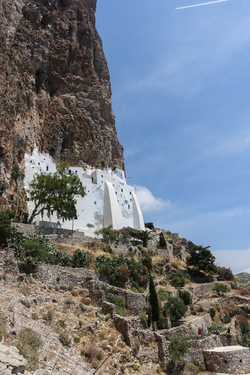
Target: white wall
109,199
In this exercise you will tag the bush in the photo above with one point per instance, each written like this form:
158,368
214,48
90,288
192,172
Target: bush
162,294
5,226
177,349
179,280
3,329
81,259
225,274
64,338
144,318
212,312
77,340
221,288
147,262
28,344
119,303
185,296
123,273
175,307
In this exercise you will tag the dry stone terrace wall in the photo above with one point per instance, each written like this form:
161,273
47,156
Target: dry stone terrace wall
83,278
230,359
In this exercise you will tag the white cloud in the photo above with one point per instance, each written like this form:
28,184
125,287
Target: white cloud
237,260
148,202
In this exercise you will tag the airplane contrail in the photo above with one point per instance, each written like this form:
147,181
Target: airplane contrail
199,5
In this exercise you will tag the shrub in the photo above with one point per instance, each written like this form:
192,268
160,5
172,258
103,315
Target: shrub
192,368
177,349
5,226
221,288
64,338
70,287
123,273
147,262
200,309
144,318
136,288
62,323
162,294
137,342
93,352
212,312
81,259
3,329
119,303
49,315
185,296
77,340
244,292
225,274
179,280
28,344
176,308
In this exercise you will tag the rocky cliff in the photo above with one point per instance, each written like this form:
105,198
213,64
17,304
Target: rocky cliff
54,87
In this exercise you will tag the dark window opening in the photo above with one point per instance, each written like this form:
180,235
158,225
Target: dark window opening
47,168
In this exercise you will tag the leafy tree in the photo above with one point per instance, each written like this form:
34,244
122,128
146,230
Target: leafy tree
221,288
202,258
179,280
16,174
147,262
144,235
149,225
162,240
5,226
153,299
175,307
56,192
185,296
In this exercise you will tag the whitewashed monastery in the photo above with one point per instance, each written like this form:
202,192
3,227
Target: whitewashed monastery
109,200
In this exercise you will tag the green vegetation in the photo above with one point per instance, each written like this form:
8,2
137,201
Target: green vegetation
225,274
29,249
3,329
178,280
81,259
202,258
162,240
144,318
185,296
177,349
176,308
111,267
28,344
221,288
162,294
5,226
119,303
153,299
56,192
16,174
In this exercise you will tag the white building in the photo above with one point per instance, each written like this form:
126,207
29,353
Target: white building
109,200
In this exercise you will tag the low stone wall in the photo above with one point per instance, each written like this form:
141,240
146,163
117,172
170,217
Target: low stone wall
201,289
126,326
191,329
229,359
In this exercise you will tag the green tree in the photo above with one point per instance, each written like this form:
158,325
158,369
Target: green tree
175,307
56,192
108,234
5,226
179,280
153,299
16,174
177,349
185,296
162,240
202,258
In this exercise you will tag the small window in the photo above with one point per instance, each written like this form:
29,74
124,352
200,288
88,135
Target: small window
129,207
94,202
116,192
75,171
117,200
102,175
130,192
69,171
31,161
38,163
47,168
121,190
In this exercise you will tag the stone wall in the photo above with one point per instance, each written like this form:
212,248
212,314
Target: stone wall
230,359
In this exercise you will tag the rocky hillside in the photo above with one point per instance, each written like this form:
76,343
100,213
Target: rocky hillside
76,320
244,278
54,88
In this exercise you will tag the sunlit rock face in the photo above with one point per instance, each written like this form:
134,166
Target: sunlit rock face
54,88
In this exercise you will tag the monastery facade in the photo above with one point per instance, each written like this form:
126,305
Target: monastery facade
108,201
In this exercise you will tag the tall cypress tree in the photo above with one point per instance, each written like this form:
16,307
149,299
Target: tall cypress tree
153,299
162,240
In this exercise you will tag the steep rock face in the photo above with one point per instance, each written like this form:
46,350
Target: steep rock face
54,87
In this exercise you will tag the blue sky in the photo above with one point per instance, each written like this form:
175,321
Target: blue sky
180,92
